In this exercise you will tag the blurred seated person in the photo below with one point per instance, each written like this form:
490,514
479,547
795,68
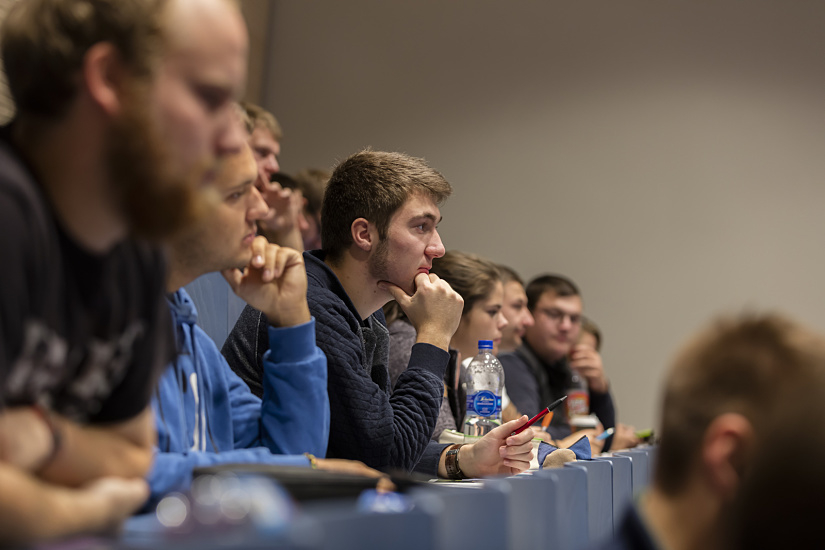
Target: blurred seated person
739,464
515,310
478,282
540,370
380,217
205,414
281,224
312,183
309,184
109,152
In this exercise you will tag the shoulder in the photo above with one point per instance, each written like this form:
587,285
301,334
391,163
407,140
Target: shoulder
512,359
24,212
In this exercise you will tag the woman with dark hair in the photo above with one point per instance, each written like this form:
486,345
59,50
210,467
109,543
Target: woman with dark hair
478,282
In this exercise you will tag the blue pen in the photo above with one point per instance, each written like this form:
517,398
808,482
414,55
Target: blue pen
605,434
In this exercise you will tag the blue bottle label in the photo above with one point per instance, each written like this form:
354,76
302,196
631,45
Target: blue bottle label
484,403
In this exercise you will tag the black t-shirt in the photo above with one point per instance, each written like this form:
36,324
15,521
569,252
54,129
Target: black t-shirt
84,334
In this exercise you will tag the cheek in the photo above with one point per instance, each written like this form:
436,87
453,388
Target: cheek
183,123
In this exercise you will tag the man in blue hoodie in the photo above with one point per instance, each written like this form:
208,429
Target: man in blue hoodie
206,414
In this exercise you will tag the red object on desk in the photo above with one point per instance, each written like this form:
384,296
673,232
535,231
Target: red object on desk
546,410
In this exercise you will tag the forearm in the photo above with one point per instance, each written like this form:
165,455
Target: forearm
173,471
432,461
295,412
90,452
31,510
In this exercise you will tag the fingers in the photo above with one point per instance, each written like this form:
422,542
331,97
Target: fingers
516,444
274,260
259,246
503,431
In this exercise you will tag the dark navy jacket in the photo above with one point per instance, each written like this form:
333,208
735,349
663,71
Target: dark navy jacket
370,422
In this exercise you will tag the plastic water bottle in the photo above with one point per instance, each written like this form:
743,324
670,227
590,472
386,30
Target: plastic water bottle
485,381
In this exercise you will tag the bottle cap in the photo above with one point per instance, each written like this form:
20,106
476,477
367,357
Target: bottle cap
485,344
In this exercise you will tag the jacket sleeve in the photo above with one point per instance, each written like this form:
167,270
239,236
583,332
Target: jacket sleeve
293,417
368,424
429,460
295,412
173,471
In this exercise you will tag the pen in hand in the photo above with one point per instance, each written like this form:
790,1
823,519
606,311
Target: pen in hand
536,418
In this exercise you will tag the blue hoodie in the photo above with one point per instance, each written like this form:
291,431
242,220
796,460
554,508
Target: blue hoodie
206,415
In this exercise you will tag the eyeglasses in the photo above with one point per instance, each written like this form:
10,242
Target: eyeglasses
557,316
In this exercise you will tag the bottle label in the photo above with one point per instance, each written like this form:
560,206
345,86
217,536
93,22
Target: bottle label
484,403
578,403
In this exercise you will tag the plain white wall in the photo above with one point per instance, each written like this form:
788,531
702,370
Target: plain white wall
668,156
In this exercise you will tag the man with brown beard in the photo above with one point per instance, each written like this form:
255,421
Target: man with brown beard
119,125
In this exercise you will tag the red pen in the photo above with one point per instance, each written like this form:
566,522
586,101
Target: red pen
536,418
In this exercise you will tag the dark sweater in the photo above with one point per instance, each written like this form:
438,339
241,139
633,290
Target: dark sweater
533,384
369,421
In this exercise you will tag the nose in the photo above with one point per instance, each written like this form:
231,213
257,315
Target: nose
566,323
258,209
436,248
502,320
528,320
271,165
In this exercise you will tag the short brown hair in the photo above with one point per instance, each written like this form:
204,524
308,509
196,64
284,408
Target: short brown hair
559,284
312,182
258,116
373,185
473,277
508,274
44,43
752,366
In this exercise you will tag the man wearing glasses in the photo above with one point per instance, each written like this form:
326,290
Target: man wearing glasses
541,369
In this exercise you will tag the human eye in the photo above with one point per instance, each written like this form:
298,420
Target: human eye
554,314
237,194
212,97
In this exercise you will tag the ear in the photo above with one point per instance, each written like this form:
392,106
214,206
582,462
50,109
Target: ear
103,77
364,234
726,450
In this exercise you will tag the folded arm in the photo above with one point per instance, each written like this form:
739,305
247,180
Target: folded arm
78,453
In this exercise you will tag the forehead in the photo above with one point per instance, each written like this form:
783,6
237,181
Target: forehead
567,304
208,41
513,290
416,206
261,136
237,169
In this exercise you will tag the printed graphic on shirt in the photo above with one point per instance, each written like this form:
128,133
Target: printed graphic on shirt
86,376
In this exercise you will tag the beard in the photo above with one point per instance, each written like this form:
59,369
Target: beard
156,200
379,263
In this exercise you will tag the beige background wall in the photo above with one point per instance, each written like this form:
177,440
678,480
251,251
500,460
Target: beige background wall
667,156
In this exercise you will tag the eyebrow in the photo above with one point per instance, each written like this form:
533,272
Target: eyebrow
428,216
240,186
